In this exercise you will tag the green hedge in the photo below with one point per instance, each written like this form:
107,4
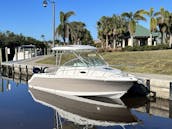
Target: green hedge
144,48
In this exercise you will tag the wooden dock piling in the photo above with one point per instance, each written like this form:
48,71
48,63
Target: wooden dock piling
170,91
148,84
24,54
0,55
170,109
6,54
35,52
16,53
30,51
2,85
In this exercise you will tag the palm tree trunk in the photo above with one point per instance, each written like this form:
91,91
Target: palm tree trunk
114,43
170,44
123,43
132,40
163,37
68,34
78,42
150,42
107,41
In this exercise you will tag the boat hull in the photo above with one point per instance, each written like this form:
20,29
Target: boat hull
81,87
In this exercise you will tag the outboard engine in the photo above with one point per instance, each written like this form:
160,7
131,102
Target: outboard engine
138,89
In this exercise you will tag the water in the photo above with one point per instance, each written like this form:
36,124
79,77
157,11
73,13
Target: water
24,108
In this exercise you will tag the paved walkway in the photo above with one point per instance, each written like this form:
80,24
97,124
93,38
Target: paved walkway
32,61
154,76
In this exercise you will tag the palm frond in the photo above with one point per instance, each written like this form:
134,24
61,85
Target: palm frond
68,14
128,15
62,17
139,17
140,12
157,14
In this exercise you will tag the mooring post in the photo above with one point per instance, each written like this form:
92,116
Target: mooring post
30,52
44,51
6,54
8,86
35,52
20,69
26,70
24,54
0,55
13,71
148,84
170,109
16,53
7,72
26,73
2,69
170,97
2,85
47,51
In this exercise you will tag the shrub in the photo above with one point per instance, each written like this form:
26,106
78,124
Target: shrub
146,48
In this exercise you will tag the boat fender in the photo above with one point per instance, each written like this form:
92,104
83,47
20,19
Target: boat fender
36,70
44,69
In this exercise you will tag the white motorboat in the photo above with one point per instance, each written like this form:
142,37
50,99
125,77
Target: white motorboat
83,73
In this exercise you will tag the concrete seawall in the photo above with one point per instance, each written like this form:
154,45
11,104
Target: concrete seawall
158,83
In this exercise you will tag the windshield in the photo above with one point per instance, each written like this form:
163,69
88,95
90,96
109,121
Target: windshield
86,60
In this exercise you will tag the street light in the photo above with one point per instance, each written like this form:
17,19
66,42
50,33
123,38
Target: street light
45,3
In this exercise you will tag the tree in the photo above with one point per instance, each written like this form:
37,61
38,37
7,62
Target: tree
118,27
63,28
104,28
110,29
77,30
153,21
78,34
132,20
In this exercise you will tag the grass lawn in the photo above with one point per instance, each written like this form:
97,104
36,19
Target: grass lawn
158,62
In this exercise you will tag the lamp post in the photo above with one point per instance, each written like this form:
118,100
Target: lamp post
45,3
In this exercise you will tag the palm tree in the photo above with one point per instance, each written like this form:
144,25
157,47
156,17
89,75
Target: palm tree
162,23
119,26
104,28
132,19
169,24
78,34
77,30
63,29
110,28
153,21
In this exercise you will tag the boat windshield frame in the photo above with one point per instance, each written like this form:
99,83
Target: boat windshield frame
83,61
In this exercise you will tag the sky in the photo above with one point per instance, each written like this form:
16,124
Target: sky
30,18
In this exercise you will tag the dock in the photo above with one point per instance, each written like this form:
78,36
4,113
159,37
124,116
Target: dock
23,68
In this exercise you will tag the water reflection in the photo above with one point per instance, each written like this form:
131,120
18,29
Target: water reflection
84,111
159,107
6,86
19,111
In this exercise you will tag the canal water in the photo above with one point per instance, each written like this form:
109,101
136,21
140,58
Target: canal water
24,108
